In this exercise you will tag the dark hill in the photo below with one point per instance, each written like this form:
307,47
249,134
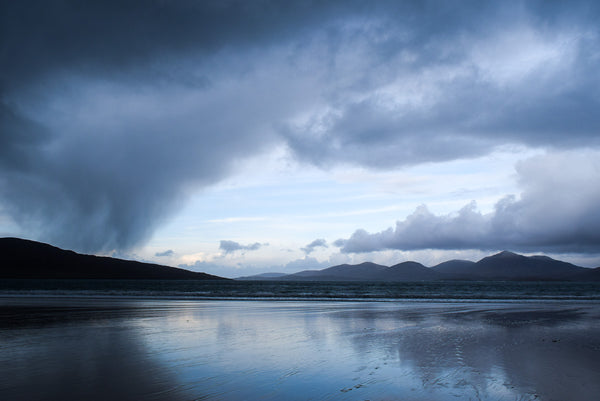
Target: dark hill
511,266
588,275
455,267
366,271
411,271
24,259
502,266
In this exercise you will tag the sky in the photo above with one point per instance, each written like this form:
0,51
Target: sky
242,137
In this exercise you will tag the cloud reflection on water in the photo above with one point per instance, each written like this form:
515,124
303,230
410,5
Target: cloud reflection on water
302,350
88,359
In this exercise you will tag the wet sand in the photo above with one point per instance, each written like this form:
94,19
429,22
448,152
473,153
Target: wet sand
107,348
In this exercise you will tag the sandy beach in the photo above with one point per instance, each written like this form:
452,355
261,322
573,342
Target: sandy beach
159,349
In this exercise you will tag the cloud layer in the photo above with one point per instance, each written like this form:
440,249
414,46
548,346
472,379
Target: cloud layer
112,113
556,212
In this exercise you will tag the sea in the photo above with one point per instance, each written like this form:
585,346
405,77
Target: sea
272,340
286,290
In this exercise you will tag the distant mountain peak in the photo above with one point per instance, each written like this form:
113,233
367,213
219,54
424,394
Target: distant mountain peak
506,254
408,264
364,264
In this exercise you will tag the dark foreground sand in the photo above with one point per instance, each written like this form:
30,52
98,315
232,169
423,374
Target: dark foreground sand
114,349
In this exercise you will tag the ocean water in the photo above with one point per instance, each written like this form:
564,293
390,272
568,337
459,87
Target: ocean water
188,340
132,348
376,291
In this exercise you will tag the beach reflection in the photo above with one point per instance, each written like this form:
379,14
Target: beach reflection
233,350
487,351
64,353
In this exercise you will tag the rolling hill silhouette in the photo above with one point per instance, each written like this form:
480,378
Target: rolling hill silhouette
24,259
501,266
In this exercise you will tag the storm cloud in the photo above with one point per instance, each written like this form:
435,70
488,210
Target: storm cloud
113,113
556,212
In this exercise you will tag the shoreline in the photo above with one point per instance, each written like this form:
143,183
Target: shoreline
426,300
314,291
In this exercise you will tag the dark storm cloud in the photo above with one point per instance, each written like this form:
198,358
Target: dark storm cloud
556,212
482,78
232,246
111,113
105,38
308,249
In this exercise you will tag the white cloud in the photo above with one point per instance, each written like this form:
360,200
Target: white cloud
556,212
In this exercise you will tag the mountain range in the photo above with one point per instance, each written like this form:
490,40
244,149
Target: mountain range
24,259
501,266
